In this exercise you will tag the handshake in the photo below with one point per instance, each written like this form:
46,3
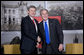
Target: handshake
39,42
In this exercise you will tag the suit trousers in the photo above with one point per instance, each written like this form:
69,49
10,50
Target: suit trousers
23,51
50,50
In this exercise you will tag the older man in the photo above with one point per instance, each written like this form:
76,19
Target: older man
51,34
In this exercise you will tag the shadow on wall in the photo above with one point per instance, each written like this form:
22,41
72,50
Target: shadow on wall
15,40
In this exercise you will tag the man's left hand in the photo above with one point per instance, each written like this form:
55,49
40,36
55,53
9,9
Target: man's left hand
60,47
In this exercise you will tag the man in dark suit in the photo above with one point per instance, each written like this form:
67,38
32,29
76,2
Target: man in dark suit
51,34
29,32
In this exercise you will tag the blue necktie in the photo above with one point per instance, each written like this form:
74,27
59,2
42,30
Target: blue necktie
47,33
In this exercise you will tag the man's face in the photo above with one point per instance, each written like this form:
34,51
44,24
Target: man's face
44,15
32,12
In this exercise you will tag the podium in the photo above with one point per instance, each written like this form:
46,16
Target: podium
12,49
75,48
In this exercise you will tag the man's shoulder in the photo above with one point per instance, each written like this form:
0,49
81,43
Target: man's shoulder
25,18
53,20
40,23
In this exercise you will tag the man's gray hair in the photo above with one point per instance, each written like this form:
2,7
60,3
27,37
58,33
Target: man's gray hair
42,10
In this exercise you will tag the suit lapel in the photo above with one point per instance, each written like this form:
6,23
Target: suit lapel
50,27
43,28
31,22
50,24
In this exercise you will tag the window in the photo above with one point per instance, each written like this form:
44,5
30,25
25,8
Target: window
9,11
5,10
9,20
13,20
4,20
13,11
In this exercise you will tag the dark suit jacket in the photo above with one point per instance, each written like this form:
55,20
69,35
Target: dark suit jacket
28,34
56,34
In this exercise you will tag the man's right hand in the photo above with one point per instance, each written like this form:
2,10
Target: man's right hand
38,39
37,45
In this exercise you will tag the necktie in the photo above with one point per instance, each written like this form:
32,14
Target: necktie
35,24
47,33
33,21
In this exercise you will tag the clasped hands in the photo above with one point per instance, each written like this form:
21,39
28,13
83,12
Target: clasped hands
38,41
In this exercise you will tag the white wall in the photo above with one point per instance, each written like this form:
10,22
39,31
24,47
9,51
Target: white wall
6,37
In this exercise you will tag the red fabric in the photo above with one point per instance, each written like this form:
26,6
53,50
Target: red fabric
40,45
39,19
33,21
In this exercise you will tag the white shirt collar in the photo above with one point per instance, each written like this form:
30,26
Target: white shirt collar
31,18
45,21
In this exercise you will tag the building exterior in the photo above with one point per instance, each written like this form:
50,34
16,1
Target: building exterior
11,15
